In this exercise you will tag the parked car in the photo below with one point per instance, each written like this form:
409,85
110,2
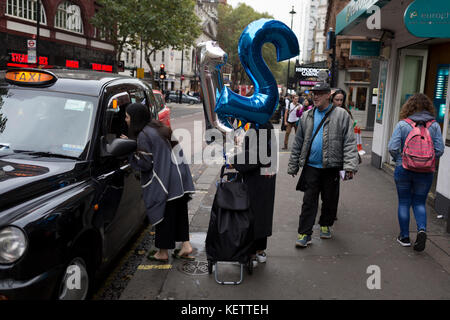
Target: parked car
174,97
162,109
69,200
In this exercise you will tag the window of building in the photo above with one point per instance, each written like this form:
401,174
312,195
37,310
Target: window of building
154,56
25,9
68,17
162,56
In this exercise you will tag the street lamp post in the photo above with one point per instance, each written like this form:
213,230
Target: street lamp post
181,75
38,23
289,62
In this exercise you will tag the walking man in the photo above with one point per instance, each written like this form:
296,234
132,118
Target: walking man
333,148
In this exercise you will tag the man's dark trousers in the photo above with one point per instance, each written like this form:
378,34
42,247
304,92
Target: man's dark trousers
326,183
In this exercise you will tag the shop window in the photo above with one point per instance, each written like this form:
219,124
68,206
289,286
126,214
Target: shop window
359,76
68,17
25,9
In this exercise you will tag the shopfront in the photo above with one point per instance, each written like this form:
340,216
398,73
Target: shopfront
411,61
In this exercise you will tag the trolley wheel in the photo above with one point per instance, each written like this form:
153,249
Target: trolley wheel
250,266
210,266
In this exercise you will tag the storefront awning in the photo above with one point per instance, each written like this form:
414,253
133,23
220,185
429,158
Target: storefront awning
355,12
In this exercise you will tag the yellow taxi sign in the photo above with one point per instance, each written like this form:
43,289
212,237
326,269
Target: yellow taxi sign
29,77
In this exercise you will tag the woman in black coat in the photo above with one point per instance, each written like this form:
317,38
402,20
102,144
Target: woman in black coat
261,181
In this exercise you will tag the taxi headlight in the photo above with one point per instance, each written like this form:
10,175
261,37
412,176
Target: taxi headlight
13,244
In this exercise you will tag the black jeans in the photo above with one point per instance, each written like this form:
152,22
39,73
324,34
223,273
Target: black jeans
175,225
326,183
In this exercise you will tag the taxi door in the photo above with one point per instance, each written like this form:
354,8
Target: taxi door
121,209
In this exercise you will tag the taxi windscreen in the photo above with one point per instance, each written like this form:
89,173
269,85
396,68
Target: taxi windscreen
43,121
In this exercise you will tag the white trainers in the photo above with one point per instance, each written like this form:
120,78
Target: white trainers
261,257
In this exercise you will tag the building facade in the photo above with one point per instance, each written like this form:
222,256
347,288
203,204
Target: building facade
66,38
319,35
358,77
409,63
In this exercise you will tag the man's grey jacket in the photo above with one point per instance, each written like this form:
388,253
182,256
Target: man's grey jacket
339,142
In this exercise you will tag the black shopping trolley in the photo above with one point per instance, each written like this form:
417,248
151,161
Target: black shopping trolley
230,231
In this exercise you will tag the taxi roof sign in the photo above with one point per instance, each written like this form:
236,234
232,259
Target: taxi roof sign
30,77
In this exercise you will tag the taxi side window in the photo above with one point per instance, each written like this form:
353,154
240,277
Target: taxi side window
153,105
114,121
137,95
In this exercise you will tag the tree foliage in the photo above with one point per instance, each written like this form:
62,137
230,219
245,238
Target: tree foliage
167,23
116,20
231,24
159,24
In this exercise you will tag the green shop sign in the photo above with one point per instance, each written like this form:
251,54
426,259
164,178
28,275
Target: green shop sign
428,18
364,49
355,12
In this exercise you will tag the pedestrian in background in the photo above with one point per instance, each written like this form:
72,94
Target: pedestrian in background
307,104
287,102
324,144
290,119
413,186
167,184
338,99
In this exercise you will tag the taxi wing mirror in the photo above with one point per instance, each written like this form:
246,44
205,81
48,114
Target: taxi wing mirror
121,147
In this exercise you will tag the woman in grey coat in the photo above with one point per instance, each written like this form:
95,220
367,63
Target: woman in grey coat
166,181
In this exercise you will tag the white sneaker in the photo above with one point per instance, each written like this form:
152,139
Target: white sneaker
255,263
261,257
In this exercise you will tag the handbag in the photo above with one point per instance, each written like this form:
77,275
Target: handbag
301,185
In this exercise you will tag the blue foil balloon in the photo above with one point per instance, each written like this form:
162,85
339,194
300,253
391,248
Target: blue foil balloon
261,105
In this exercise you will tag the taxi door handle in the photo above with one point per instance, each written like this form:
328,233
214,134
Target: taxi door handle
106,175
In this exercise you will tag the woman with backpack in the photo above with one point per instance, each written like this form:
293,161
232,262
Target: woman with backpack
166,182
415,145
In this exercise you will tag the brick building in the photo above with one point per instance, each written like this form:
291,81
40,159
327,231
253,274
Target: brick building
66,38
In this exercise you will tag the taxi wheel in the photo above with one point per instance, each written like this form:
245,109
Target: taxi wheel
168,101
75,282
191,102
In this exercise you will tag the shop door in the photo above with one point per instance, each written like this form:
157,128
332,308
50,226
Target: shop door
357,103
411,80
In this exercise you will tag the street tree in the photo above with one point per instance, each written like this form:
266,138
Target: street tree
231,24
116,20
163,24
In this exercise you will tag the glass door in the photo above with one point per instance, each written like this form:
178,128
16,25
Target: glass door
411,80
357,103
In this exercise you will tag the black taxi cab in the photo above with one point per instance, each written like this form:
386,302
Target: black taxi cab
69,200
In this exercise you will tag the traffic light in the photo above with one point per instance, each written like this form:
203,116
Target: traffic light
162,72
121,66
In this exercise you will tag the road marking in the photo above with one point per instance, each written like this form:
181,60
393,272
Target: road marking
154,266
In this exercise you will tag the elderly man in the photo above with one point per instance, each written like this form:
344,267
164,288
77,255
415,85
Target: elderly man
324,145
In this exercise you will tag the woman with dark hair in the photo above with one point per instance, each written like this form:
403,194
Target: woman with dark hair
166,181
412,186
338,99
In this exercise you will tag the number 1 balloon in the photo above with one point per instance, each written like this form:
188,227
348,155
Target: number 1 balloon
210,59
260,106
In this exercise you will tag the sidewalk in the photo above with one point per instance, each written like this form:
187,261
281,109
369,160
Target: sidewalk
336,268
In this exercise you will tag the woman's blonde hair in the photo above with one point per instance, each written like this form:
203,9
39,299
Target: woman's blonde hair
418,102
